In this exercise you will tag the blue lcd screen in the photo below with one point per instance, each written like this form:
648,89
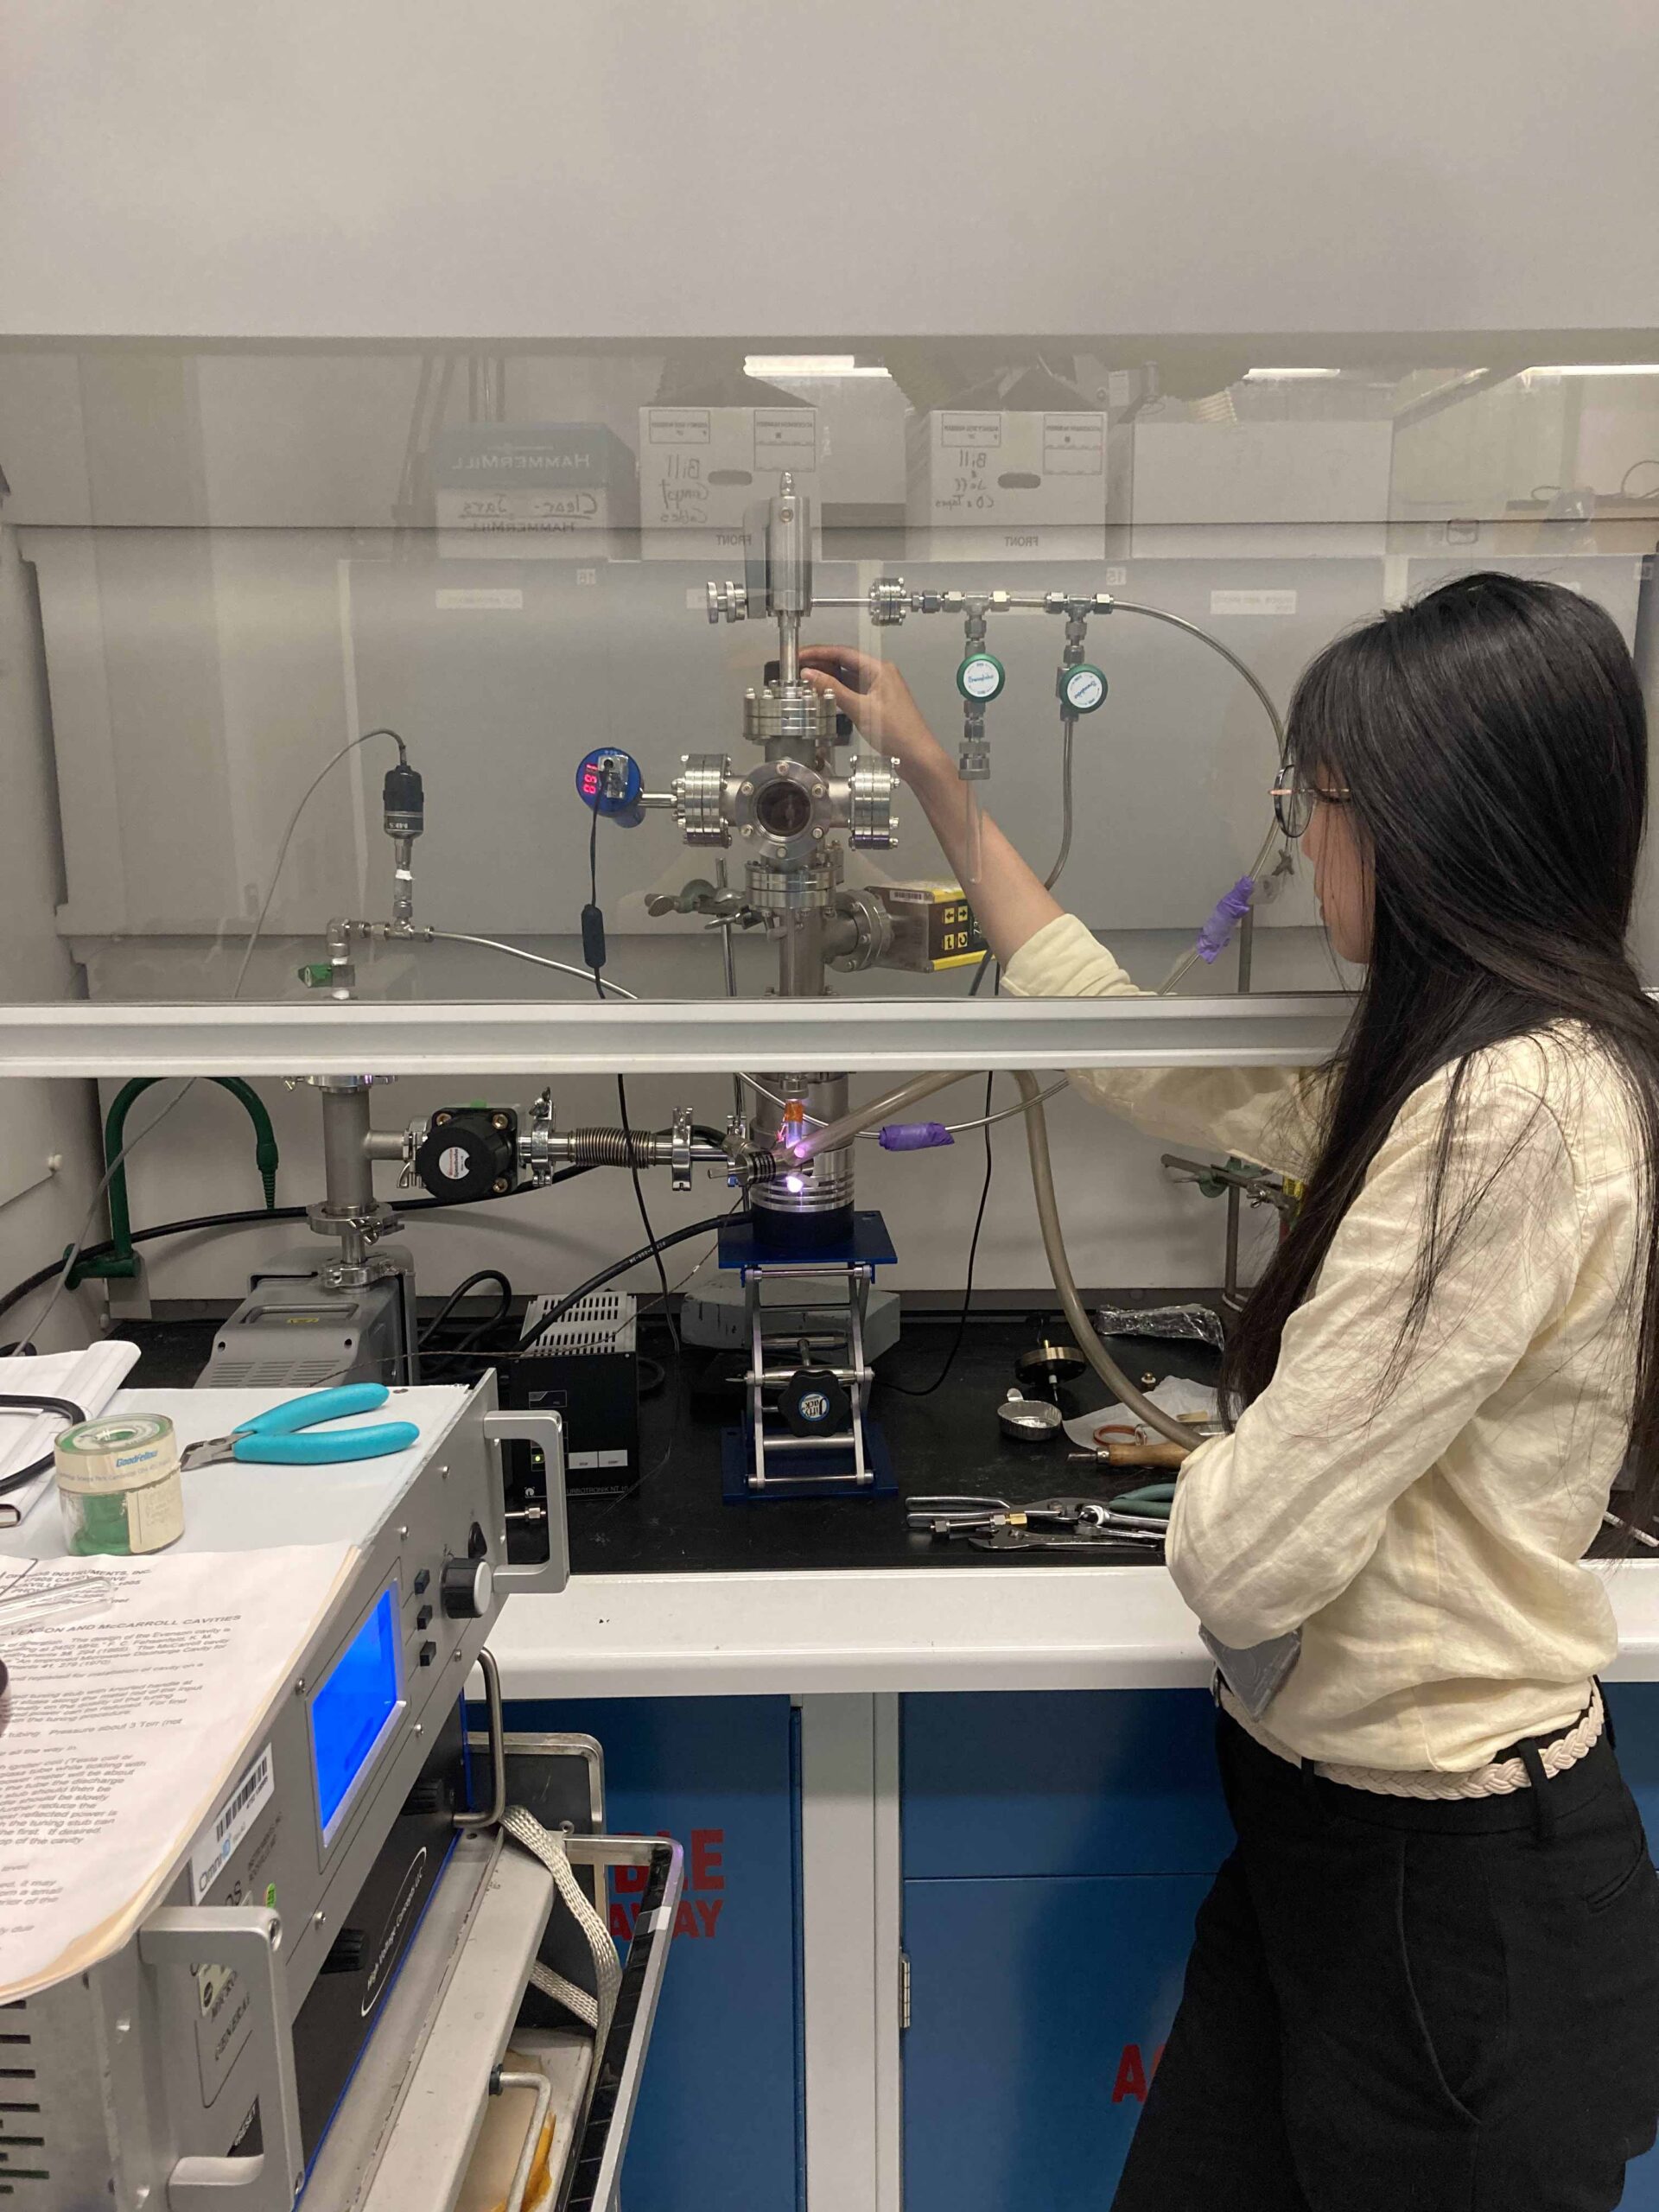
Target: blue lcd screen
353,1706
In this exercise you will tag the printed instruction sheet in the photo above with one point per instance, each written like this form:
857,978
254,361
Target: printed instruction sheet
137,1686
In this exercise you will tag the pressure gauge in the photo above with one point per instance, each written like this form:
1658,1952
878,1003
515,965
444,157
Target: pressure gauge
1082,688
608,780
981,677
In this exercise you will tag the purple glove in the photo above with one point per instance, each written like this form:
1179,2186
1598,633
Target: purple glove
915,1137
1230,909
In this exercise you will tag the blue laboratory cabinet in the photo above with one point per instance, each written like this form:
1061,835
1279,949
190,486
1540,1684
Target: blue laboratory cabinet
717,2127
1055,1850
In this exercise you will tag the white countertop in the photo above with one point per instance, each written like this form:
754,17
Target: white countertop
229,1507
1007,1628
1054,1628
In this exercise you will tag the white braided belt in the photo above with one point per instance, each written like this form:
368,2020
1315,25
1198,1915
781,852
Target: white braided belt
594,2012
1499,1779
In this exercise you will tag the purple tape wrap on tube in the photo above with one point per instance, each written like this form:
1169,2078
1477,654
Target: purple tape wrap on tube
1230,909
915,1137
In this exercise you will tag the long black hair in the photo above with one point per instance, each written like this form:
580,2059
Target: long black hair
1491,741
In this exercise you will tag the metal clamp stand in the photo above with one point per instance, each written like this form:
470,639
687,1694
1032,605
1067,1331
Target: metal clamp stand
806,1430
850,1372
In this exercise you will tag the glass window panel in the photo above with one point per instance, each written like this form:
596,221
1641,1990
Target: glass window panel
221,565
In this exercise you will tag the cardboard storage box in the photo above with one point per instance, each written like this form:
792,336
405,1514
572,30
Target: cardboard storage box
703,468
1004,483
534,491
1241,489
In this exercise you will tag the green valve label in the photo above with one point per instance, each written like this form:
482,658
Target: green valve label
981,677
1082,688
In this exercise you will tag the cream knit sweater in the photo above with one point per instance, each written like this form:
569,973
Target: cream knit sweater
1428,1534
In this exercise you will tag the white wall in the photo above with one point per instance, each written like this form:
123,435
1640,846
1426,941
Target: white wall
539,167
41,1206
403,170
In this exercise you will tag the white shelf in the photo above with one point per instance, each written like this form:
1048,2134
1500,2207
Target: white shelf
1051,1627
669,1037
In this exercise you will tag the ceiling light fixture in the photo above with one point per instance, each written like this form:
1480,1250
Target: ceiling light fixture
1595,369
789,366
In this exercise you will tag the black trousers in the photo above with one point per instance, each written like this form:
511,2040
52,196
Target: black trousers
1396,2007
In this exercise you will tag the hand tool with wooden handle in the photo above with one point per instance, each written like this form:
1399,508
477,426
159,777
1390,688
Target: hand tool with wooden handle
1153,1453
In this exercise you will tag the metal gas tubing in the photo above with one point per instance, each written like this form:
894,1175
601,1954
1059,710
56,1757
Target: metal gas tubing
842,1132
348,1177
1083,1333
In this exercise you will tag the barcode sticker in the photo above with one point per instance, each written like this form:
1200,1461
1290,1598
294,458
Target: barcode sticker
229,1825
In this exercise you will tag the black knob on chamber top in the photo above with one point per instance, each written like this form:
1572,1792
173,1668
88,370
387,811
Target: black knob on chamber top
467,1586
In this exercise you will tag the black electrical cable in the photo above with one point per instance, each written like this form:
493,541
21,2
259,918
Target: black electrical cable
715,1221
20,1290
206,1221
26,1404
593,940
468,1343
644,1218
926,1389
466,1346
472,1281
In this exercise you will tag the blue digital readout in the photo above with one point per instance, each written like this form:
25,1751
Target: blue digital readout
350,1710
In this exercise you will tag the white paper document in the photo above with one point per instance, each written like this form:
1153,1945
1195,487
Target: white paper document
137,1691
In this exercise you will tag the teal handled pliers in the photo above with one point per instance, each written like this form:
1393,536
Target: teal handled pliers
285,1435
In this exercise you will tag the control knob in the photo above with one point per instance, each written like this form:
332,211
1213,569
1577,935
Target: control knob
814,1402
465,1587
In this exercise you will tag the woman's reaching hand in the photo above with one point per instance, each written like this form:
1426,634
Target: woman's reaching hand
879,701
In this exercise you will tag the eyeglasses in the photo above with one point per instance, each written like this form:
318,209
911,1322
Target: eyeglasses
1294,800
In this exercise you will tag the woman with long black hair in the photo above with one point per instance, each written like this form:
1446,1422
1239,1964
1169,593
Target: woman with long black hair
1427,1977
